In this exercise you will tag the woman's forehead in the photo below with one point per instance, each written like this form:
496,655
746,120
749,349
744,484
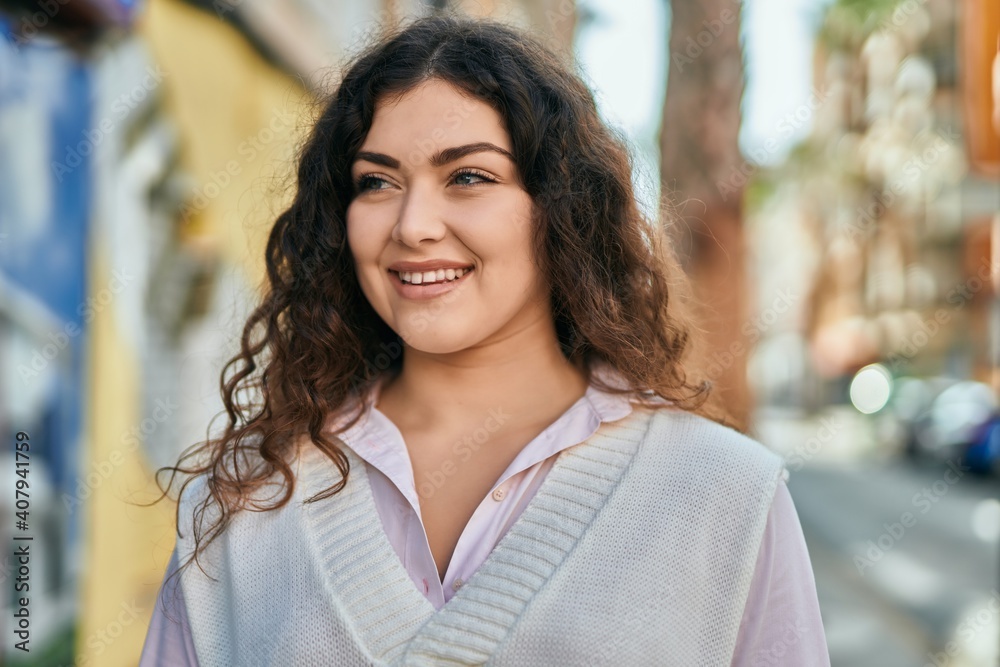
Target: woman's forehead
435,113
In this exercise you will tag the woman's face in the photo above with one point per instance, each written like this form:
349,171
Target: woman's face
437,192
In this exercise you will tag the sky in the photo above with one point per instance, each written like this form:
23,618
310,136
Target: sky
623,52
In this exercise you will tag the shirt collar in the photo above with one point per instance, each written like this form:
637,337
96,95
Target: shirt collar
375,438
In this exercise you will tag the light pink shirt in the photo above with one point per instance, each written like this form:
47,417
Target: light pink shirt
781,622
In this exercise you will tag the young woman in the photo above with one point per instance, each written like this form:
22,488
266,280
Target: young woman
478,435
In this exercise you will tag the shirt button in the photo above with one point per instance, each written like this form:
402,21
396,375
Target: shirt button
457,584
499,494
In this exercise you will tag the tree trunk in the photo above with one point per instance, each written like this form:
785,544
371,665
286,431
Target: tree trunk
702,179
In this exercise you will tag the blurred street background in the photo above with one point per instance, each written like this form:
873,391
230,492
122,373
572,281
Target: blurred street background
831,169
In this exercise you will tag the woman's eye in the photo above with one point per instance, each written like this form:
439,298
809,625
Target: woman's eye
374,183
366,180
471,174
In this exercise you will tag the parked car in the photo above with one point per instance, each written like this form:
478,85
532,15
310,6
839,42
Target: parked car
911,399
947,428
983,453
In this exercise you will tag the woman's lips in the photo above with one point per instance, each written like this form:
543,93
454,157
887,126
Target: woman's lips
430,291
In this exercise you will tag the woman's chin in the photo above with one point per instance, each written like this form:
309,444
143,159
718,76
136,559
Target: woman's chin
443,335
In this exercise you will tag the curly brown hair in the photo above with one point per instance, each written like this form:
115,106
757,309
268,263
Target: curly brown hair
314,343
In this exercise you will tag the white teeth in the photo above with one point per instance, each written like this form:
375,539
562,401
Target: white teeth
441,275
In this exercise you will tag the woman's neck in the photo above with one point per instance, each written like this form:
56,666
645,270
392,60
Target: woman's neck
523,391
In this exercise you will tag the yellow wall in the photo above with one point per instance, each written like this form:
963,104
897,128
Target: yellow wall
238,118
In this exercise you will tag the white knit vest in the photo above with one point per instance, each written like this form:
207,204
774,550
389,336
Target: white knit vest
638,549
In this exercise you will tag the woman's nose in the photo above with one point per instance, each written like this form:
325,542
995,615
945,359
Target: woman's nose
419,217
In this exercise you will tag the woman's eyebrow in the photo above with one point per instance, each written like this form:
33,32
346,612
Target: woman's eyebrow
438,159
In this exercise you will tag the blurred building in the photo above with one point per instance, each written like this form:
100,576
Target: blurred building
879,225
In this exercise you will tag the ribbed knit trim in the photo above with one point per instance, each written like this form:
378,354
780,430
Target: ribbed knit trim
363,574
395,621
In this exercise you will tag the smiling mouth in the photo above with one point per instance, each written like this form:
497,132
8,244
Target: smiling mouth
439,277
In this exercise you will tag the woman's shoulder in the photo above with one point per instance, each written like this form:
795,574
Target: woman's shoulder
679,435
257,509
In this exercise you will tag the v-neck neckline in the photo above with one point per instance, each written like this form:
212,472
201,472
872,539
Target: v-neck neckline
393,619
